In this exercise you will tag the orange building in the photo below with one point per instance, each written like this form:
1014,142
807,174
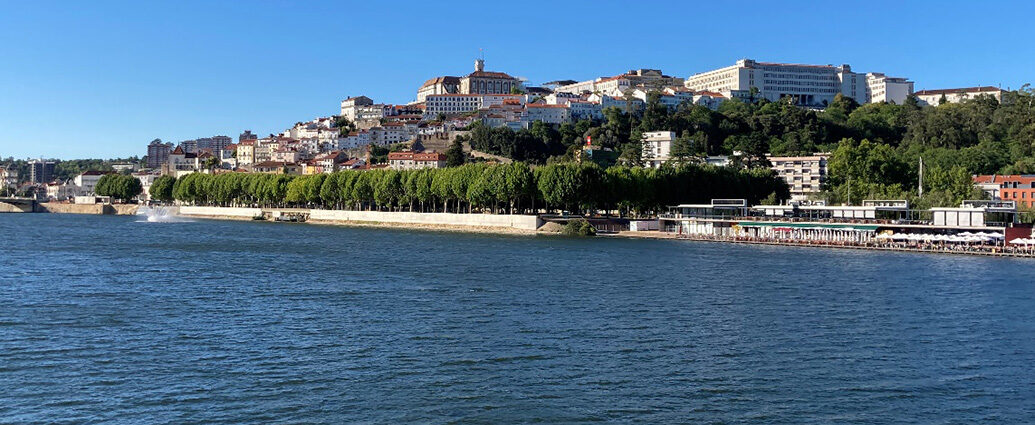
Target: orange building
1017,188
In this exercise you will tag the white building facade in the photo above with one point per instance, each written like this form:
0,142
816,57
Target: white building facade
657,147
934,97
807,85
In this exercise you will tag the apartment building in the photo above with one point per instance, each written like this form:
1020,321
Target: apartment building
804,174
452,104
246,152
657,147
1017,188
41,171
407,160
550,114
158,153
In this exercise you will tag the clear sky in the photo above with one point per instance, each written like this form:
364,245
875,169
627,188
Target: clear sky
103,78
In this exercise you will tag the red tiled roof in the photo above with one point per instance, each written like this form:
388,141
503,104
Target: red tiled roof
490,74
429,156
443,80
709,93
1009,178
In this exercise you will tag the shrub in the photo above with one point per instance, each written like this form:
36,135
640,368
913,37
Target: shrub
579,227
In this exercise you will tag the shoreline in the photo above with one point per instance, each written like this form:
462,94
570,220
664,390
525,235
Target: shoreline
425,227
442,222
514,231
665,236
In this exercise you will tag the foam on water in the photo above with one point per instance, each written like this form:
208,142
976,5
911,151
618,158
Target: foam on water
159,215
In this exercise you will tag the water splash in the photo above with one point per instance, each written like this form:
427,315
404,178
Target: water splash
159,215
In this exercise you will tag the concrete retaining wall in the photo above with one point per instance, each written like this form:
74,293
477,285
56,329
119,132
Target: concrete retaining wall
402,219
221,212
13,208
521,222
95,209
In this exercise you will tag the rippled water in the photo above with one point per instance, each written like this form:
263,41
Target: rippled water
110,320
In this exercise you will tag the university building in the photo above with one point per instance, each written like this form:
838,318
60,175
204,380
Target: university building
934,97
478,82
808,85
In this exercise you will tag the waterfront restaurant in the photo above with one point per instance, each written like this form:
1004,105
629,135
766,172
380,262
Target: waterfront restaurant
873,222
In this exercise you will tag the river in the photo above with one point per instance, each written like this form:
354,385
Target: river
107,319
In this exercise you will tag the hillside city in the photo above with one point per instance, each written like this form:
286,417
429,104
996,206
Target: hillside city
815,126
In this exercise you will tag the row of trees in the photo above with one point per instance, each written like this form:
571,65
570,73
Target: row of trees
498,188
118,186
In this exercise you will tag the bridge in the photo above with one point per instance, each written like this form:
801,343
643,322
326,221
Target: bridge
13,205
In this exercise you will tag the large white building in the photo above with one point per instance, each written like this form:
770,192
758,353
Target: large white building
882,88
452,104
808,85
934,97
87,181
550,114
351,106
619,84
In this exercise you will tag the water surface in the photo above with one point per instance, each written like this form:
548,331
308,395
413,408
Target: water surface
109,320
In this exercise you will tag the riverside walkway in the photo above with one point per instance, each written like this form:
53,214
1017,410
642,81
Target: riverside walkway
982,250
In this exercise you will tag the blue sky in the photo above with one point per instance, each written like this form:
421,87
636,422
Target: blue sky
103,78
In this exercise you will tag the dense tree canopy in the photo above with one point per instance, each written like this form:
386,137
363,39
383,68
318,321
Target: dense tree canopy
500,188
877,147
118,186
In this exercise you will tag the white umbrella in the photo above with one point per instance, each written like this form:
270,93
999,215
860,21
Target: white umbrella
883,236
1021,241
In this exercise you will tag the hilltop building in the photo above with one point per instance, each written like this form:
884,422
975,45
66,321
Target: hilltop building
934,97
620,84
807,85
478,82
438,85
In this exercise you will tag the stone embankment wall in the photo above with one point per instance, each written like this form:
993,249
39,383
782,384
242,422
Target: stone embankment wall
13,208
471,222
519,222
220,212
96,209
